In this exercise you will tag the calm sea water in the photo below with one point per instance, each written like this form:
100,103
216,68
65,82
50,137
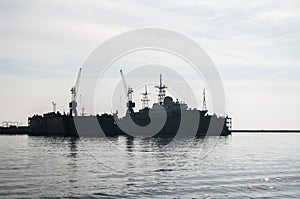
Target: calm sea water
239,166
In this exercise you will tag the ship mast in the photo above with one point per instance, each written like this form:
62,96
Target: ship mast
145,100
54,107
204,107
161,90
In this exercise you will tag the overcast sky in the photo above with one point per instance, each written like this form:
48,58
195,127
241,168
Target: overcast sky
254,44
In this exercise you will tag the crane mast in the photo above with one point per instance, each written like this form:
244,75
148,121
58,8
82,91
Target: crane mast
128,91
74,89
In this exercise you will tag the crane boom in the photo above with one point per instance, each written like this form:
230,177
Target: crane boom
76,86
124,84
78,79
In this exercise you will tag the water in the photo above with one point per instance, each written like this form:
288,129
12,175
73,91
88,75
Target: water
239,166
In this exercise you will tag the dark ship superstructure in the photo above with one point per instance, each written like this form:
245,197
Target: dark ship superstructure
58,124
174,110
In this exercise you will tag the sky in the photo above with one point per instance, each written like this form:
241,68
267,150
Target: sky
254,45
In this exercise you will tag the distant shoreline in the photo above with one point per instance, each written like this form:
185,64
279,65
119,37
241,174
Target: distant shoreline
264,131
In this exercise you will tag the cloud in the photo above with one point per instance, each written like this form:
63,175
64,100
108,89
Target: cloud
248,40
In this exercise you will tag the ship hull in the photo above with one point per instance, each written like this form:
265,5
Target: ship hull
55,124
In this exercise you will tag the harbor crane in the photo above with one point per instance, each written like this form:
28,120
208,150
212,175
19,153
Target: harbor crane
128,91
74,90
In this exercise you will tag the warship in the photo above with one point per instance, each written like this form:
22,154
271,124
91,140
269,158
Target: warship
62,124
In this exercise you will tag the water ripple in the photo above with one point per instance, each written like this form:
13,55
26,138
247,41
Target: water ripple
240,166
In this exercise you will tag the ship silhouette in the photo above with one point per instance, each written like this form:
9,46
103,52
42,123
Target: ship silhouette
166,118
